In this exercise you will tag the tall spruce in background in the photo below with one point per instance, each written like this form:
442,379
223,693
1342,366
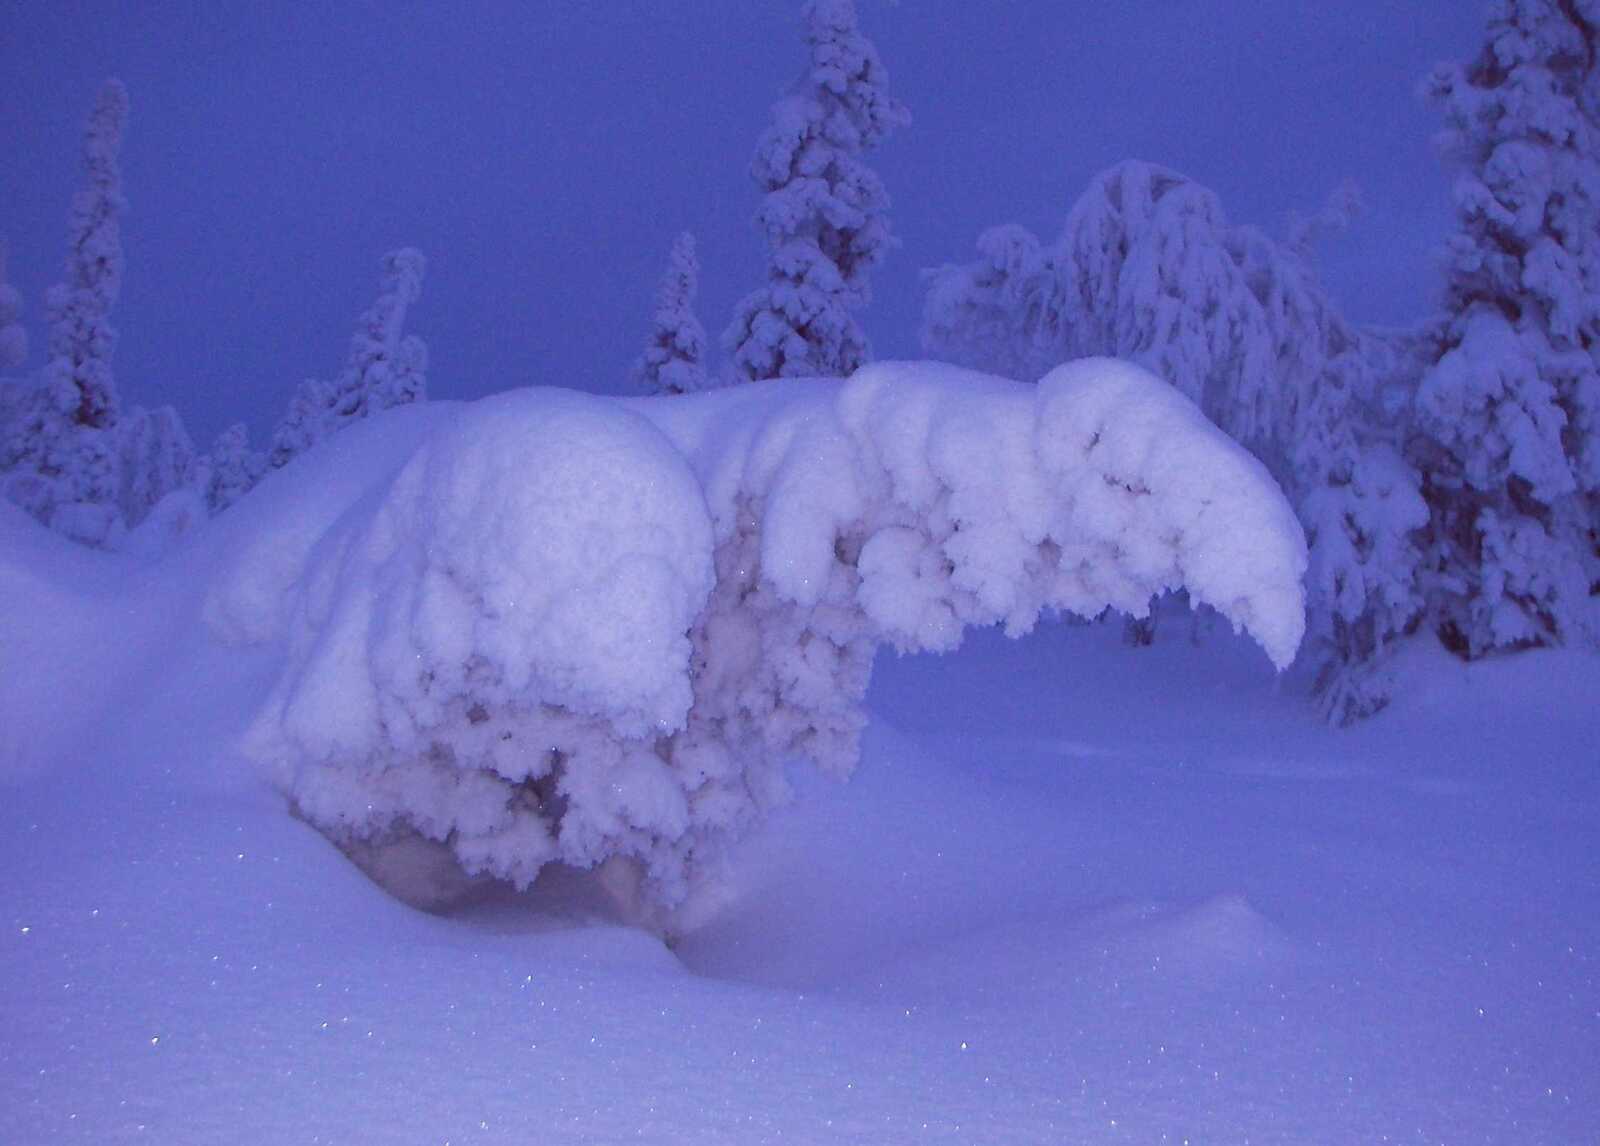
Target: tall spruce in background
1508,413
674,360
824,212
386,367
59,453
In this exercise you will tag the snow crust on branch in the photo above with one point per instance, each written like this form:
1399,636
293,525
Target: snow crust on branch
557,627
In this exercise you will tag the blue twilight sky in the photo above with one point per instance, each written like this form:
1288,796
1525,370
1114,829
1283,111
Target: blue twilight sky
544,154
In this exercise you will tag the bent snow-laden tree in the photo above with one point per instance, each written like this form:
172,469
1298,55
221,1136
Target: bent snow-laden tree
1148,268
824,211
386,367
569,629
1509,414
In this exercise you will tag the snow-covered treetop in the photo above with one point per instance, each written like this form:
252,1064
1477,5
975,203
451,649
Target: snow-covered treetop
1521,119
385,367
808,161
81,337
94,262
553,626
824,209
674,360
377,374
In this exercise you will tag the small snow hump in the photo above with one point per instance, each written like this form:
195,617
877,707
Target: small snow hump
1211,941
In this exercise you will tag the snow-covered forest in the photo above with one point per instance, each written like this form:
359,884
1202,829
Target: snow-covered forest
1157,707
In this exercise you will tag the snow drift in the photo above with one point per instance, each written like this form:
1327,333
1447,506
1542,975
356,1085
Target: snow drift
551,627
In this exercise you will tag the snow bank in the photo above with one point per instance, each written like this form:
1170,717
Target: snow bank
568,628
66,641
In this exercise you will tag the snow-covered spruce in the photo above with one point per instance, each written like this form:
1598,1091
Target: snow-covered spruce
674,361
58,452
824,213
70,454
1509,413
554,627
385,367
231,468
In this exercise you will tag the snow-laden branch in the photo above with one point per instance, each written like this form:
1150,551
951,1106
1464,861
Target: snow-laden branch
556,627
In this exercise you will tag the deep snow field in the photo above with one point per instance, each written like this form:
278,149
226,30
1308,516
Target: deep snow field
1075,892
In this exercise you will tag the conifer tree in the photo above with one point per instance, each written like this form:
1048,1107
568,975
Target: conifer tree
824,211
231,468
674,360
386,367
1508,414
60,454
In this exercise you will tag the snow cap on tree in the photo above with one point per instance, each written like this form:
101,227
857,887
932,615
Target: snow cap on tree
824,211
674,360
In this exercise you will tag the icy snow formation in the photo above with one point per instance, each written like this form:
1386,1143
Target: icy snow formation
556,627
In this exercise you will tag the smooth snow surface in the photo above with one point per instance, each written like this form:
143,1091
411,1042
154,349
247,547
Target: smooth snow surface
1075,892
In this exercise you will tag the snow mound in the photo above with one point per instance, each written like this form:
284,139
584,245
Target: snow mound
573,629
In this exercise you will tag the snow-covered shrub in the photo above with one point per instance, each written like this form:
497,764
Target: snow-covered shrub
386,367
553,627
824,211
674,362
1508,414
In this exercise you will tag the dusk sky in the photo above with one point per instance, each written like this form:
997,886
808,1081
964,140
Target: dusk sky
544,155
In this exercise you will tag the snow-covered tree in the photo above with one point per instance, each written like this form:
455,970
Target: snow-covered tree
386,367
674,361
60,455
231,468
823,214
81,337
1148,268
155,456
567,630
1363,513
13,335
1509,412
